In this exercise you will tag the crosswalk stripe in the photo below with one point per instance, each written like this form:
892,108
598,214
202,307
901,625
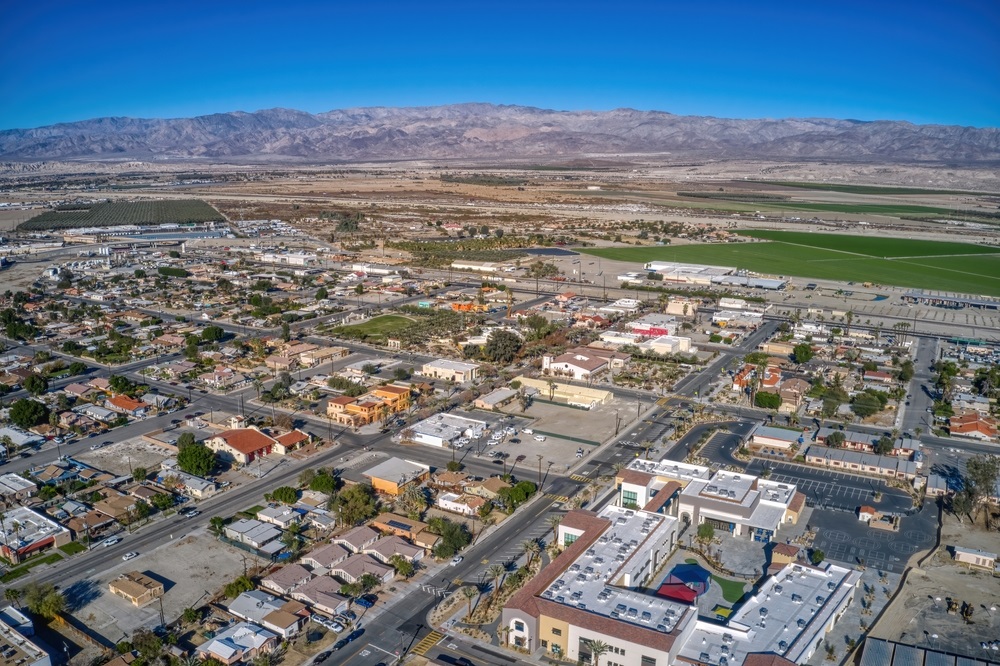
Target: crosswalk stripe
427,642
558,498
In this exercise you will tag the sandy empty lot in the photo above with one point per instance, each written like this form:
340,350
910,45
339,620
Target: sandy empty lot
916,616
123,457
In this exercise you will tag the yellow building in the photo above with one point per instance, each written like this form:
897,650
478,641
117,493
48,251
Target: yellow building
137,588
377,404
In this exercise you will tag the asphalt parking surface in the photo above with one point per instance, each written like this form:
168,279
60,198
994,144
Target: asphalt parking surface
830,489
844,538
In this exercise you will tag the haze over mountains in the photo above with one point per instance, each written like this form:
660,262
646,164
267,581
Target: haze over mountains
500,132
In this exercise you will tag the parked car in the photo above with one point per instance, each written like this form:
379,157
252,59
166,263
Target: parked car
528,431
539,438
336,626
321,657
339,645
110,541
364,603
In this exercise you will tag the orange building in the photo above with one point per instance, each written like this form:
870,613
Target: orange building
370,407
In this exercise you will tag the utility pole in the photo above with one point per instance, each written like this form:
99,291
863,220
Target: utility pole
539,472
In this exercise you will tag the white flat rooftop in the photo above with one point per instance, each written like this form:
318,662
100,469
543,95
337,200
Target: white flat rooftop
671,469
588,583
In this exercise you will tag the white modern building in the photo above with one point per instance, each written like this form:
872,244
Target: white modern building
443,430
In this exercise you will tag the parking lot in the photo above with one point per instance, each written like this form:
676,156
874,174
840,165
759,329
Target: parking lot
189,567
827,488
844,538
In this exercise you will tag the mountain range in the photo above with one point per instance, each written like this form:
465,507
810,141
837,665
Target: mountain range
495,132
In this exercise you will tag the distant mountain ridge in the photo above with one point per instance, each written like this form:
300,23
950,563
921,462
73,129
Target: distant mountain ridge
495,131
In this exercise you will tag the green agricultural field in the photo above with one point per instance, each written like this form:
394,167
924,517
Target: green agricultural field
379,326
872,246
864,189
119,213
956,267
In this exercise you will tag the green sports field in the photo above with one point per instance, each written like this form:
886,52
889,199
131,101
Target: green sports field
955,267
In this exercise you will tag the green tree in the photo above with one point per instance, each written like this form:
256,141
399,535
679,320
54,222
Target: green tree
238,587
286,331
321,294
502,347
706,532
162,501
356,503
469,593
44,599
412,502
213,334
142,510
404,568
77,368
121,384
883,445
191,615
27,413
835,439
196,459
816,556
767,400
865,404
369,582
36,384
216,525
285,495
185,440
147,643
802,353
139,474
324,482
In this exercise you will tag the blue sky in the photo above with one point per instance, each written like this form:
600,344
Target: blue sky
922,61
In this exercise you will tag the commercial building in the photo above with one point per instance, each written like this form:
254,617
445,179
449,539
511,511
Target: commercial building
584,595
443,429
577,364
788,617
137,588
863,463
975,557
449,370
393,475
688,273
241,445
380,403
25,532
653,325
254,533
737,503
21,651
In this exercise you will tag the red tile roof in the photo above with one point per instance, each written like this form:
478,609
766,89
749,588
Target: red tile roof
126,403
634,477
246,440
786,549
661,497
798,501
292,438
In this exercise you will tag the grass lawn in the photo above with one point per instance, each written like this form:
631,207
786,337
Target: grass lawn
903,263
383,325
732,590
14,574
72,548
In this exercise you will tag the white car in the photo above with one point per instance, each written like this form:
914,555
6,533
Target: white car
130,556
528,431
110,541
455,561
539,438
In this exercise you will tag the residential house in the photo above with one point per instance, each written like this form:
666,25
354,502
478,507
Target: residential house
287,578
450,481
79,391
326,556
322,593
487,488
467,505
126,405
136,588
286,618
356,539
354,567
14,488
280,363
413,530
282,516
388,547
239,643
255,534
119,507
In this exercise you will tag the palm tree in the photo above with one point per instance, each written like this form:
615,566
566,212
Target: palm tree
216,525
13,595
597,650
530,547
553,522
496,572
469,593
